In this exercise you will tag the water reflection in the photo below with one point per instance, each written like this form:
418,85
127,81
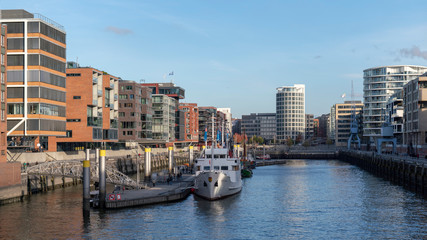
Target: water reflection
299,200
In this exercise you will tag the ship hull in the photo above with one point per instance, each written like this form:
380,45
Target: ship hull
214,185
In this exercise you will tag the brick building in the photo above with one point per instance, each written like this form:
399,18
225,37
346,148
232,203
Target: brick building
92,112
3,82
191,121
135,112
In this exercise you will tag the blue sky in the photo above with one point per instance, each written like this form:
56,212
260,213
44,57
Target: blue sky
236,53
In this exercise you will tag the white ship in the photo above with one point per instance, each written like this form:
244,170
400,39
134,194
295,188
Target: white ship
217,176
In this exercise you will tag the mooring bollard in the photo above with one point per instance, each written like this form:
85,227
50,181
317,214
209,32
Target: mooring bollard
191,157
147,167
86,181
170,157
102,179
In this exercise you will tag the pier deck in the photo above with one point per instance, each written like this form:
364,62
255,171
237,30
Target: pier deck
160,193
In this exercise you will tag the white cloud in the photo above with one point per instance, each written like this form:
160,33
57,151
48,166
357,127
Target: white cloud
119,31
413,52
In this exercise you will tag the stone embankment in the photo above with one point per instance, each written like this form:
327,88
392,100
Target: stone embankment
410,173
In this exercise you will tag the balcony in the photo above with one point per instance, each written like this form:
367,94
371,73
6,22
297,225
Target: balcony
94,121
116,97
113,123
94,102
99,93
422,94
94,81
112,85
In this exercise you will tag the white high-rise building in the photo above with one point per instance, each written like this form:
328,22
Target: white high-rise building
378,85
290,112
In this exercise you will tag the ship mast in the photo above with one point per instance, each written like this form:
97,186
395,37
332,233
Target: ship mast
213,141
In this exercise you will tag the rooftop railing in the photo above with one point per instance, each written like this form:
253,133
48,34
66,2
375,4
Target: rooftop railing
49,21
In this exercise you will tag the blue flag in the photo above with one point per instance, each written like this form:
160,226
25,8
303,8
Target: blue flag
206,134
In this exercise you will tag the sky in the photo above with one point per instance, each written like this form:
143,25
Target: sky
236,53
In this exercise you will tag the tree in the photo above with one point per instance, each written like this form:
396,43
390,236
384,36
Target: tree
289,142
306,144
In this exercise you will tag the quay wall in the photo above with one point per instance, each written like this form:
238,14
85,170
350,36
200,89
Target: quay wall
305,155
409,173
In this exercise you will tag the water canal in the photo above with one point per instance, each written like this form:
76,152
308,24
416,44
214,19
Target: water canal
304,199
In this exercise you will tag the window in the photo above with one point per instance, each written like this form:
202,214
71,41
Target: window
216,167
74,120
15,108
224,167
2,77
77,97
131,96
73,74
2,114
69,133
207,168
128,87
2,96
122,114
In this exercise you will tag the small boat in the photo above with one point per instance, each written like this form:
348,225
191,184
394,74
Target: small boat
246,173
264,157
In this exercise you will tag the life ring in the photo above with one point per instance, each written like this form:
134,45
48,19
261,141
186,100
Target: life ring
119,197
111,197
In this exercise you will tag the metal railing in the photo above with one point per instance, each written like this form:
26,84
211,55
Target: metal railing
48,21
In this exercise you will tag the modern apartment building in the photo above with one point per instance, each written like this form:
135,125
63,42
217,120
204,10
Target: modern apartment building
205,122
228,117
135,112
309,126
290,112
379,84
177,93
415,112
191,121
316,128
237,126
92,112
260,125
323,131
36,90
164,118
394,115
3,99
341,119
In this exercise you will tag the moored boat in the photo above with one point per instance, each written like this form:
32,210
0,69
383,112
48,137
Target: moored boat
217,174
264,157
